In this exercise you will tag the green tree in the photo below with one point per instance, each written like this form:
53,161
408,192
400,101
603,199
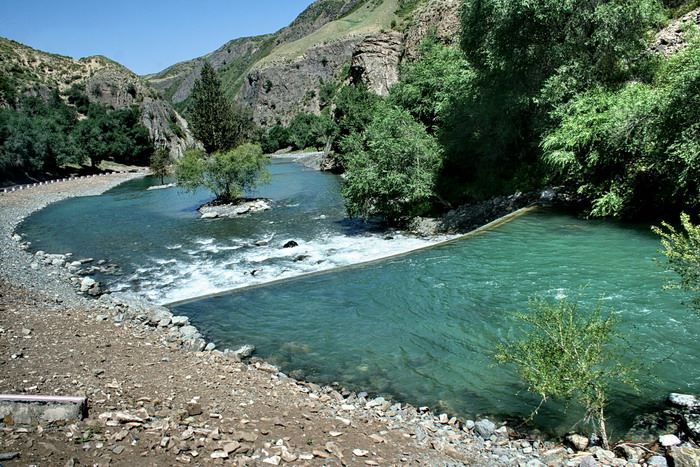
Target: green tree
569,354
634,150
227,174
390,167
218,124
159,163
682,249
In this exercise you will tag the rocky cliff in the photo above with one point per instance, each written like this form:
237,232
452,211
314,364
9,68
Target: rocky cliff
234,60
32,72
280,74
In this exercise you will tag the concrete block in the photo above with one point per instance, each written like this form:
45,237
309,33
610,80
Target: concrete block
19,409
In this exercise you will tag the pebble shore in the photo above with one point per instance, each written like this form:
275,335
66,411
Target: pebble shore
358,429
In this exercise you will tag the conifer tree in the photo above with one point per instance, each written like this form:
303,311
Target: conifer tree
214,121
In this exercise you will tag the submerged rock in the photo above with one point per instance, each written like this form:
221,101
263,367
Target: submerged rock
290,244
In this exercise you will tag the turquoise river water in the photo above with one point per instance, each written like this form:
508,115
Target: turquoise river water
420,328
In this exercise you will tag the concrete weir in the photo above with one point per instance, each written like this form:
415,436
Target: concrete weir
18,409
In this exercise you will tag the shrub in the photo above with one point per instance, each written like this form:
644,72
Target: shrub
227,174
569,354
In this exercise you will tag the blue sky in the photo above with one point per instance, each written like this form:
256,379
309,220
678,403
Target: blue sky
146,36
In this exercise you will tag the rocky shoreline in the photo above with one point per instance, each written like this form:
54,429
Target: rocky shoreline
160,394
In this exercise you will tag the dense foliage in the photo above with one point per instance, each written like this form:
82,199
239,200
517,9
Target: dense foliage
219,124
569,354
391,167
538,92
228,174
40,135
682,249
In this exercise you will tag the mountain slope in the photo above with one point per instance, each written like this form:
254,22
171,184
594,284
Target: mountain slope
281,74
27,71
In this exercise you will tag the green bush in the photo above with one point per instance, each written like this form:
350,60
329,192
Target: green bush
227,174
682,249
391,167
569,354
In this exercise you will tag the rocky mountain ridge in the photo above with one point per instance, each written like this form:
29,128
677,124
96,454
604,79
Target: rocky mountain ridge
28,71
280,75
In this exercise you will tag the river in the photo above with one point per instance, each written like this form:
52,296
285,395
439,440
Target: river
421,328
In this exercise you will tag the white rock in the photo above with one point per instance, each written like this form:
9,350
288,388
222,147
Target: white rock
669,440
86,283
219,454
274,460
210,215
360,452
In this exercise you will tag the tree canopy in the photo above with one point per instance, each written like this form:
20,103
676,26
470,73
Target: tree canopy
220,125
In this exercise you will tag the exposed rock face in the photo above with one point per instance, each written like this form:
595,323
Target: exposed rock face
278,91
675,36
440,17
376,59
235,58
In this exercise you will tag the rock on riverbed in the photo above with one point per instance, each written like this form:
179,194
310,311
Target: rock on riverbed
215,209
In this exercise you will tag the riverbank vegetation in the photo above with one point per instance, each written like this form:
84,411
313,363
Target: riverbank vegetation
570,354
535,93
229,164
40,135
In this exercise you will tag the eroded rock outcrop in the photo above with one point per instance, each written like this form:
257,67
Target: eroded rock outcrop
438,17
376,59
279,90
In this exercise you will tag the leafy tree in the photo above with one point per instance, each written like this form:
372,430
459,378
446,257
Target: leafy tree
305,131
159,163
227,174
682,249
276,138
218,124
634,150
390,167
569,354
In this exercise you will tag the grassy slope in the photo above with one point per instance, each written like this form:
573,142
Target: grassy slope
369,18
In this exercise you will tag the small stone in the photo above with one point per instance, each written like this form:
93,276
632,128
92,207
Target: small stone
274,460
657,461
210,215
360,452
371,462
577,441
685,456
669,440
335,434
194,409
210,346
219,454
484,428
444,418
317,453
377,438
118,449
684,400
290,244
180,320
289,457
233,446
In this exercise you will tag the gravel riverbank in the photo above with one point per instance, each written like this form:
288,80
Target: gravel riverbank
157,397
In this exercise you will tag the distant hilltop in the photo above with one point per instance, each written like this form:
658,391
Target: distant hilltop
26,71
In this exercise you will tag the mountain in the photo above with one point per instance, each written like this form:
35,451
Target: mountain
32,72
279,75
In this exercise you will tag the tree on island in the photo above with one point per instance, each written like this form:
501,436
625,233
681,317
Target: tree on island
229,165
159,161
227,174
